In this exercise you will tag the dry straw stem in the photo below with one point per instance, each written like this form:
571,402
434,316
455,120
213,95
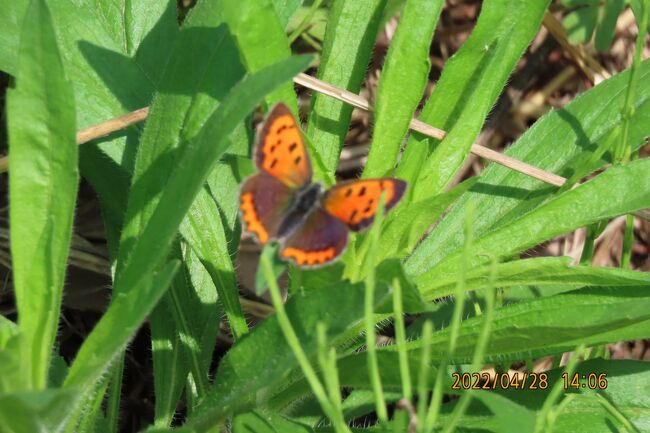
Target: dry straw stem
353,99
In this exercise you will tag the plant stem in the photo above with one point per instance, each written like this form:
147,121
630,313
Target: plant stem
294,344
479,352
628,242
423,376
400,336
369,316
624,149
544,417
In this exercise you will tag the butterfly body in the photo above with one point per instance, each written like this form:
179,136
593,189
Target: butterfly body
306,200
281,203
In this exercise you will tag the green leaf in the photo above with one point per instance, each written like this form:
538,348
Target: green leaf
10,25
468,88
351,32
401,85
35,411
502,195
580,24
260,36
43,188
553,325
262,361
116,327
10,364
542,271
406,225
619,190
607,24
285,9
259,422
508,415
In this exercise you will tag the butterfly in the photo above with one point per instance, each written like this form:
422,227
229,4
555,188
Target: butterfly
281,203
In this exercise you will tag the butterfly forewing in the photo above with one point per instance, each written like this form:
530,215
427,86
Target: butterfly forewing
319,240
281,150
356,202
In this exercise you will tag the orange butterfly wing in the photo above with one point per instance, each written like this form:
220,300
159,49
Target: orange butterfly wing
281,150
356,202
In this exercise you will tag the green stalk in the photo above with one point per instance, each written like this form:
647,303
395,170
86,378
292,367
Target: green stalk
400,336
423,377
545,416
327,361
624,149
369,316
459,295
479,352
628,242
294,344
616,413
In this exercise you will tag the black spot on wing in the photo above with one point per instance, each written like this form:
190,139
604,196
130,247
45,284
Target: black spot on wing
297,160
292,147
362,191
275,161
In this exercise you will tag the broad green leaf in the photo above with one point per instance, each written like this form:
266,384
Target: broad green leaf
259,422
204,232
401,85
261,362
194,82
43,187
259,33
553,325
539,271
10,24
508,415
406,224
351,32
468,88
560,142
10,364
619,190
35,411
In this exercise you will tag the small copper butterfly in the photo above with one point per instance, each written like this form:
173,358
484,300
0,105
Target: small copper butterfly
281,202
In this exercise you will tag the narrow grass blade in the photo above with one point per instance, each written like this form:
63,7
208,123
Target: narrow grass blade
351,31
260,36
401,85
553,325
468,88
169,368
575,132
204,231
620,190
42,188
539,272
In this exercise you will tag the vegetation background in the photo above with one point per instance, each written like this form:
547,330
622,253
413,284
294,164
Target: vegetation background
129,302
